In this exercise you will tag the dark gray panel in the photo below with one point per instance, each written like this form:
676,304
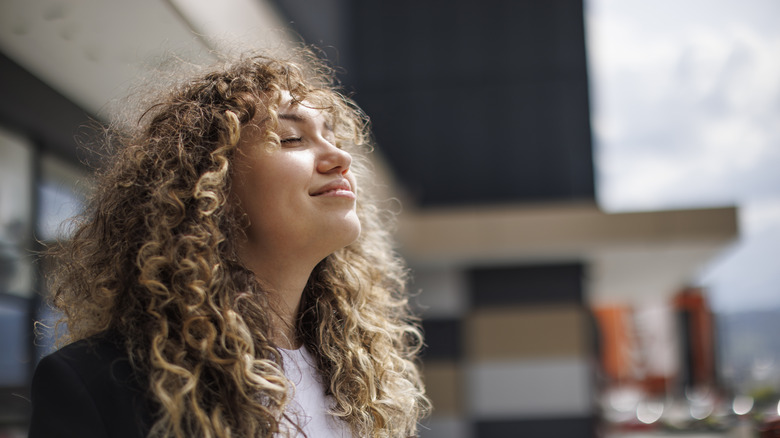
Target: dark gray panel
523,285
477,102
537,428
442,339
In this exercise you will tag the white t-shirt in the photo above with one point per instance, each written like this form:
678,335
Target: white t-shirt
309,405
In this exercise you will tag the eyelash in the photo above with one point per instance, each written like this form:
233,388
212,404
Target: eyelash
291,140
298,139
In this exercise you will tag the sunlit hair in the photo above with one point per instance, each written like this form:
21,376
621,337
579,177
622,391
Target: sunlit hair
154,258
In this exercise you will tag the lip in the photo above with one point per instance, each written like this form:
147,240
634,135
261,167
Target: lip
337,188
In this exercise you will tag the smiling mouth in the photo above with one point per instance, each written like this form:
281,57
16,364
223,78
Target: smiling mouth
336,193
340,188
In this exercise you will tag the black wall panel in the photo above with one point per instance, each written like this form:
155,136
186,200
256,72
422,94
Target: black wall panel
523,285
443,340
537,428
477,102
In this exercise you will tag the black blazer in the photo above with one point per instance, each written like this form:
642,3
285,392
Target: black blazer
88,389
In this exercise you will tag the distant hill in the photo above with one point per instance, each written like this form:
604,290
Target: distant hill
749,349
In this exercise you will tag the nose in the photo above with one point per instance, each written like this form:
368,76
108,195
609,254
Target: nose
333,159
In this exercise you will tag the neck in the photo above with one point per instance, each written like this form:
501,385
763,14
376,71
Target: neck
285,279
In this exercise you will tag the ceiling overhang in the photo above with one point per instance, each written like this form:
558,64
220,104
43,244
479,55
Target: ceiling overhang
630,256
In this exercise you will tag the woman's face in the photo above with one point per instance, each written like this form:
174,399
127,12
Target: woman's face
300,199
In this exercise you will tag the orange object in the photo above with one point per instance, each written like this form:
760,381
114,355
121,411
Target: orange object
617,342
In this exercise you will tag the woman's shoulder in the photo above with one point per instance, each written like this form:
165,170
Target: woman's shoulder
100,363
97,360
92,380
102,347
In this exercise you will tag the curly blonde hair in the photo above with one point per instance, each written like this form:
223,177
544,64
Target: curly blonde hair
154,257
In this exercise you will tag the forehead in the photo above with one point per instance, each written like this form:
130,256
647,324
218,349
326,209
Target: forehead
290,113
300,112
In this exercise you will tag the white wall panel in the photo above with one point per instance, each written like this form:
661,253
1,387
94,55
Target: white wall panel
560,387
445,427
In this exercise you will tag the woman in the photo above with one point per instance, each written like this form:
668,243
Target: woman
231,277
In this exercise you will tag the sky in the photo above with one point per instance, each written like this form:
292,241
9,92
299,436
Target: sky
686,114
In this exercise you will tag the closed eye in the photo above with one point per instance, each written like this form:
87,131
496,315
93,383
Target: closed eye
291,140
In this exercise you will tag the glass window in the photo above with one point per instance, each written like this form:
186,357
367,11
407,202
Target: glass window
62,191
16,273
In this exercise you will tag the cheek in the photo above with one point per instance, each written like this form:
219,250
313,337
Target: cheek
269,172
249,186
290,171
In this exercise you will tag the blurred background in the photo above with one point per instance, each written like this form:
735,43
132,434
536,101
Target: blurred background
591,201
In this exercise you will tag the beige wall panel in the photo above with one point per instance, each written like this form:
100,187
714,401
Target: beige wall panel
443,384
528,333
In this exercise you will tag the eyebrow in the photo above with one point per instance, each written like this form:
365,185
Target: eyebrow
292,116
295,117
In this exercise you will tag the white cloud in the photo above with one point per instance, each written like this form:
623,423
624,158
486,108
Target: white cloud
682,106
761,216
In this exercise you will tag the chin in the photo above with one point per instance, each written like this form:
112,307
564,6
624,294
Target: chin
342,234
354,232
352,229
357,234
